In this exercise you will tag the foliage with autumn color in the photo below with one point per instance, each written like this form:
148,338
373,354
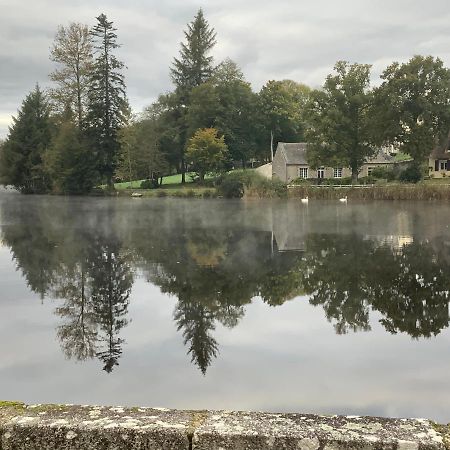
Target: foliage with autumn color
207,152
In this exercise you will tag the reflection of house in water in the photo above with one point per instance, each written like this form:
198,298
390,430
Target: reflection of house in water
293,223
290,227
394,241
402,226
288,242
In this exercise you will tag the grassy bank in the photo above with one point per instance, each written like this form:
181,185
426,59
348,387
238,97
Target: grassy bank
420,191
190,190
250,184
167,181
236,184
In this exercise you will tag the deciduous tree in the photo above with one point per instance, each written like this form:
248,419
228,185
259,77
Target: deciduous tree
72,51
280,107
227,103
339,131
207,152
141,156
412,106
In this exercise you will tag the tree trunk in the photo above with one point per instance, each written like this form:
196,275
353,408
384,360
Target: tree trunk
183,171
354,175
271,146
110,183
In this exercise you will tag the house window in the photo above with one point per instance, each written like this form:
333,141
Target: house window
370,170
337,173
303,172
321,172
443,165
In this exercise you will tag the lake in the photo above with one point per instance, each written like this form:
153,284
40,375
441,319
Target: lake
219,304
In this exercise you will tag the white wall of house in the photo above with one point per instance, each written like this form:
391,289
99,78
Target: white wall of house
289,172
298,171
443,167
265,170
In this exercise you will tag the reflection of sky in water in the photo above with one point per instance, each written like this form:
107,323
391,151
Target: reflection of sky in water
283,358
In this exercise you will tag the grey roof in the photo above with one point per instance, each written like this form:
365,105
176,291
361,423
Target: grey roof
293,153
296,154
442,151
381,157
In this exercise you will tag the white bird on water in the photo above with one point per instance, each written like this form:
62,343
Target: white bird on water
343,199
305,200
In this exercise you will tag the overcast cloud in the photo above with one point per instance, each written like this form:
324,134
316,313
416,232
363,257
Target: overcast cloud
297,39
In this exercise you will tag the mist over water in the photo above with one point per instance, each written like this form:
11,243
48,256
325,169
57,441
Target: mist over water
278,306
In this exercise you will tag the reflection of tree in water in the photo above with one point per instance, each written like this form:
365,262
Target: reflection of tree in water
197,322
96,297
412,293
33,253
214,272
334,276
87,269
78,334
111,287
408,286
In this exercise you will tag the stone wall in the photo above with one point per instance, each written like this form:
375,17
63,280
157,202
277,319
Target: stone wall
64,427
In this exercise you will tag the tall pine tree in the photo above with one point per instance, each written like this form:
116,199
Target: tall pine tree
69,161
191,69
195,65
21,163
107,99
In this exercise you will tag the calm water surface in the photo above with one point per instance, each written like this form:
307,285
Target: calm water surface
325,308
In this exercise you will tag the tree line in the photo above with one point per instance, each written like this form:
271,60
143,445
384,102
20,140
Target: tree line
81,133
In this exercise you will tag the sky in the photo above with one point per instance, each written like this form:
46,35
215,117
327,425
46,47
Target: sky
296,39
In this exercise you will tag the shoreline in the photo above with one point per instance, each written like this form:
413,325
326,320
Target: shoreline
51,427
420,191
388,192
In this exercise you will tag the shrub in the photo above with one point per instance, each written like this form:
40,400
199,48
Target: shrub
208,182
208,194
412,174
231,187
302,181
251,183
149,184
384,173
336,181
370,179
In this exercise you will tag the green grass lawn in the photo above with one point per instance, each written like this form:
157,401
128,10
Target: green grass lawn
167,181
399,157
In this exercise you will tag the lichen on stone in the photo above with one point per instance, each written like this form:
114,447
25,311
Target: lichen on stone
444,431
12,404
